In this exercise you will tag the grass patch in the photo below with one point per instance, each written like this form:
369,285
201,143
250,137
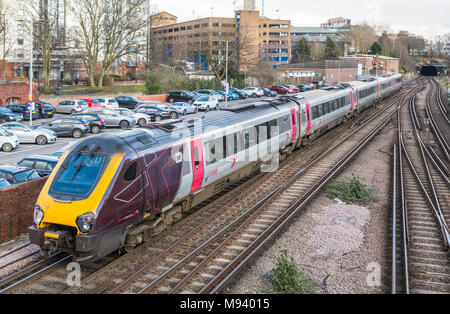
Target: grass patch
351,191
80,90
286,277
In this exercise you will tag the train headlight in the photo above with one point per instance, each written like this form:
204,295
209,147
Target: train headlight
85,222
38,215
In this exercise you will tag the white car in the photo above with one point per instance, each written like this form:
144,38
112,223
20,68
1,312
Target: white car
141,118
253,91
71,106
8,141
185,107
27,134
207,103
108,102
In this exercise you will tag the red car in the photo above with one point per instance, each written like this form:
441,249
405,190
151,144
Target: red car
293,87
92,103
282,90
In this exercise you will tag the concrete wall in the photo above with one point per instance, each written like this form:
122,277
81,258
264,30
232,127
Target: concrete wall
16,208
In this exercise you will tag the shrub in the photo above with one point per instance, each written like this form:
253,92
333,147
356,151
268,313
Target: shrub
153,82
287,278
351,191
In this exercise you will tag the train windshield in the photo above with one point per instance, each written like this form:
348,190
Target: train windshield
79,174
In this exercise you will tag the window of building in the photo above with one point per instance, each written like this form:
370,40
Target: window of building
20,41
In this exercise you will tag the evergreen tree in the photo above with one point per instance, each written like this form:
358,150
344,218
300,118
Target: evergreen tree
303,50
331,52
376,48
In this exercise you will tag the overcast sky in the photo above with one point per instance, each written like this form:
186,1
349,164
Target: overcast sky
427,18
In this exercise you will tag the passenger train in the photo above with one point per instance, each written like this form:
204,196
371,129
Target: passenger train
114,191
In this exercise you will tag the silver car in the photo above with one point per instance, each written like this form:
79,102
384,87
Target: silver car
27,134
141,118
114,119
71,106
8,141
185,107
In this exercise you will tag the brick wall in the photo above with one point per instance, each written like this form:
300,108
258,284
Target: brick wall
13,89
16,208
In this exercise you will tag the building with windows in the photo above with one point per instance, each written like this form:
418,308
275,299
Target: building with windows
339,24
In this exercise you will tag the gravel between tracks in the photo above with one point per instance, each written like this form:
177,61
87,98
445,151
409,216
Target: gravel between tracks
337,244
10,246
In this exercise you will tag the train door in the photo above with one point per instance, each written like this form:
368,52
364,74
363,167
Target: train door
308,119
294,125
352,101
198,167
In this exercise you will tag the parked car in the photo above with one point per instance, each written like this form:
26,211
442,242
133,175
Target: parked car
6,115
45,110
129,102
108,102
67,127
42,164
58,154
302,88
4,184
240,93
185,107
71,106
181,96
319,84
24,110
282,90
207,103
293,88
8,141
92,103
253,92
174,112
141,118
95,122
221,92
16,174
210,92
268,92
27,134
114,119
155,113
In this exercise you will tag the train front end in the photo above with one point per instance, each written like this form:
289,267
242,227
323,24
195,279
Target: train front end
66,214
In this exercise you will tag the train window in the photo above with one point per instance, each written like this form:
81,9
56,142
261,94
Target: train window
315,113
340,103
325,109
320,108
131,172
274,127
335,105
231,147
215,149
196,158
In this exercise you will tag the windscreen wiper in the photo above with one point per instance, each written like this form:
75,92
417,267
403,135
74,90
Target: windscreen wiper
80,164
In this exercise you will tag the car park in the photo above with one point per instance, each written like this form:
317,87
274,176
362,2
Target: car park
95,121
293,88
221,92
67,127
8,141
108,102
129,102
253,92
4,184
42,164
6,115
92,103
71,106
210,92
27,134
24,110
282,90
114,119
269,93
155,113
240,93
181,96
174,112
15,174
185,107
141,118
207,103
45,110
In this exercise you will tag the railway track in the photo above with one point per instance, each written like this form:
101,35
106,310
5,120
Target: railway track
183,242
421,262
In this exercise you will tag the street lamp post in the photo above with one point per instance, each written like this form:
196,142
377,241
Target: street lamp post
226,76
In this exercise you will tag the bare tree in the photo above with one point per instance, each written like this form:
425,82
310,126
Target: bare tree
6,40
361,37
110,30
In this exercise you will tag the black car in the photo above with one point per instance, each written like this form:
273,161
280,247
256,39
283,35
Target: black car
129,102
155,113
24,110
241,94
6,115
181,96
43,165
268,92
67,127
45,110
96,123
16,174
